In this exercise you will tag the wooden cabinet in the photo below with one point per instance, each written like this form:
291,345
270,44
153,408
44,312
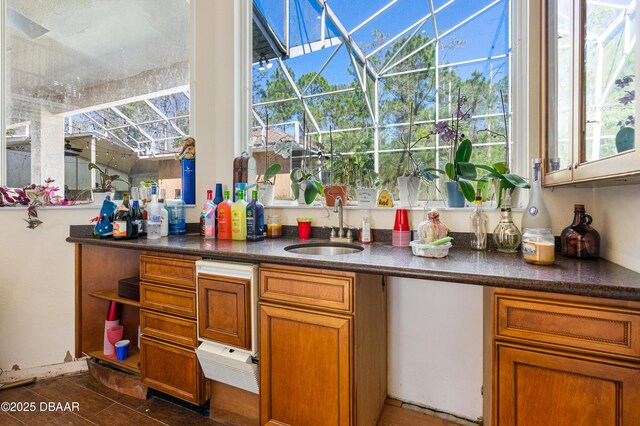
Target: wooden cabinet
322,347
225,310
565,360
168,325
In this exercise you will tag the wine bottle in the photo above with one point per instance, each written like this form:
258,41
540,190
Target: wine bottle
207,217
536,214
122,223
255,219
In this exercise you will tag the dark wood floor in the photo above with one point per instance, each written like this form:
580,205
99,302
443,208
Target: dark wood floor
100,405
97,405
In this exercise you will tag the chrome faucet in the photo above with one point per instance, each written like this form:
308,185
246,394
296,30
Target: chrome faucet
337,208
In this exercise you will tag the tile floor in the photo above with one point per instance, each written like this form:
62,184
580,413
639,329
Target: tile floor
99,405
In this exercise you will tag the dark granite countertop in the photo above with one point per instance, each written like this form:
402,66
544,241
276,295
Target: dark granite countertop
597,278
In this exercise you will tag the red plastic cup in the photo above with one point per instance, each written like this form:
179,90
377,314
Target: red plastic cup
402,220
304,230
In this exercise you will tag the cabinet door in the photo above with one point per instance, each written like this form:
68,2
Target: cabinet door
305,364
224,309
172,369
547,388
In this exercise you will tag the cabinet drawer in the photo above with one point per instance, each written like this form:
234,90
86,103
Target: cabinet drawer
168,270
168,300
307,287
172,369
224,309
174,329
591,328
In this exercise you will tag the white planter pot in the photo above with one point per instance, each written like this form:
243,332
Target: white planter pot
265,193
408,187
367,197
99,197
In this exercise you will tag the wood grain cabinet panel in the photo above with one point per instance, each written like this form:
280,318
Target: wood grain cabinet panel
582,327
307,287
224,309
537,387
305,367
168,300
168,327
172,369
168,270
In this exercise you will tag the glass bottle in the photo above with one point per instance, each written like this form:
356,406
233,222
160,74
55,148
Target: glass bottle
154,217
136,211
255,219
164,213
536,214
207,218
217,200
177,215
239,218
580,240
224,217
122,221
479,225
432,229
506,235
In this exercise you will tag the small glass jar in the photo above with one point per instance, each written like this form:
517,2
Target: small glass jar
538,246
274,227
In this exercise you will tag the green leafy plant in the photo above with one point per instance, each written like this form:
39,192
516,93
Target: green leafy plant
106,180
304,219
312,185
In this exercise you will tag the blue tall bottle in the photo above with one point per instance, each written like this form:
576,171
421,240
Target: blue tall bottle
217,200
177,215
255,219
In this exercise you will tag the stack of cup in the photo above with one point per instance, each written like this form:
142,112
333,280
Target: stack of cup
401,229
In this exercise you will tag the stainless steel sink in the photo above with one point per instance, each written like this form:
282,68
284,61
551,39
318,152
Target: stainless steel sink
324,249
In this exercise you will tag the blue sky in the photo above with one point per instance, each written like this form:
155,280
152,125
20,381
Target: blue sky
484,36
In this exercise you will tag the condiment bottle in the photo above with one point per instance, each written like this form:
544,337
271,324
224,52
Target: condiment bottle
432,229
365,228
538,246
580,240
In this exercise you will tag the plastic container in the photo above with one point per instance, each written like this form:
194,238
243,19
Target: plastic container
401,238
421,248
304,230
274,227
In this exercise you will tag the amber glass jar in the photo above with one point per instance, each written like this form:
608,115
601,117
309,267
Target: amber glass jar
580,240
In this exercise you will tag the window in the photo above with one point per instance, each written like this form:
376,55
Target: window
104,82
352,75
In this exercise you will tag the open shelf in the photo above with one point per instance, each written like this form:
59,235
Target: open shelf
113,295
130,364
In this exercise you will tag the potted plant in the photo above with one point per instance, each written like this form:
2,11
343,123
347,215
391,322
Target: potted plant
333,190
503,179
305,184
626,135
105,187
266,182
415,171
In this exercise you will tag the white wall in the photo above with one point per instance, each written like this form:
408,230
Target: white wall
435,345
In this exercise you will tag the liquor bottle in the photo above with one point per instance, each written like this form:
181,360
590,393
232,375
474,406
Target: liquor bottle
479,225
580,240
177,215
506,235
136,219
164,213
224,217
255,219
136,211
536,215
154,217
217,200
207,217
122,221
239,218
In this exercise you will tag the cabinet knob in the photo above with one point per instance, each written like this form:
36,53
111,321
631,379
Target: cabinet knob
575,165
